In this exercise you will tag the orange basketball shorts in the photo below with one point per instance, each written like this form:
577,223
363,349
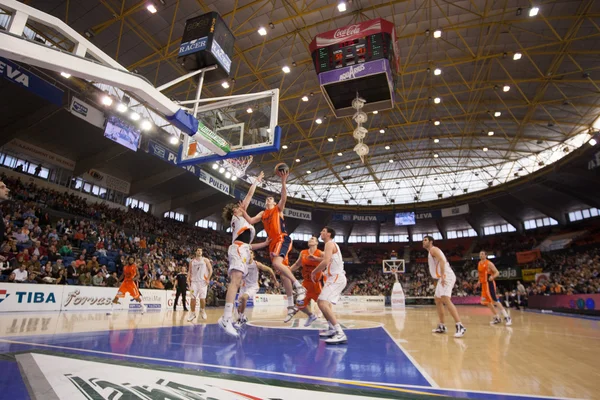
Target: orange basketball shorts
128,287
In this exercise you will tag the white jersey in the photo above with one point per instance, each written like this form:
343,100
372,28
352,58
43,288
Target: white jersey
199,270
239,225
336,265
252,278
434,266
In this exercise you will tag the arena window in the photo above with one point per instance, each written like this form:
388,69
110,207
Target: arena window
540,222
301,237
461,233
495,229
262,234
135,203
28,166
583,214
393,238
362,239
418,237
173,215
206,224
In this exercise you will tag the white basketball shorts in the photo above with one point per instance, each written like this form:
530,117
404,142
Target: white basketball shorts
199,290
239,256
250,290
333,288
445,290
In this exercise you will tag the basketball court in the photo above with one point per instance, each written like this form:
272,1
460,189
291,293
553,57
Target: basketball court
390,354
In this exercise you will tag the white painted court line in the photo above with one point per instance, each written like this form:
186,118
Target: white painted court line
331,380
415,363
303,328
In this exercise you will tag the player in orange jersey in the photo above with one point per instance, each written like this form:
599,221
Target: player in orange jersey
130,273
309,260
487,273
281,243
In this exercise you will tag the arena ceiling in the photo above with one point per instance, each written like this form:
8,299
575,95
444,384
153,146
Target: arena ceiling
546,113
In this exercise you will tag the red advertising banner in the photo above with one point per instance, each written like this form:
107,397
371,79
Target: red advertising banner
581,302
525,257
467,300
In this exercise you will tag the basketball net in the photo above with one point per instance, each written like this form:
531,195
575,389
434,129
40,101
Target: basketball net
238,166
394,271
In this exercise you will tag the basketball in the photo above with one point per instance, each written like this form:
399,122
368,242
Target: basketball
281,168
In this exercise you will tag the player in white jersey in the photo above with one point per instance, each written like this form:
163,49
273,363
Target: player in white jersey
250,287
239,253
439,268
198,278
334,275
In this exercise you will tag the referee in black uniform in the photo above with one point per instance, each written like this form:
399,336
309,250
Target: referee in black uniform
181,288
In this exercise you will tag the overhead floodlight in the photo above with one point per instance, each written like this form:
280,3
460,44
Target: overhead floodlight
341,6
151,8
286,69
491,133
506,88
309,172
391,161
228,175
435,155
304,98
174,140
121,108
234,178
215,166
221,170
262,31
249,110
497,114
382,131
134,116
437,100
375,112
340,154
436,122
297,160
319,121
284,147
593,142
65,75
146,125
387,147
437,33
107,100
533,11
517,56
347,167
485,149
437,71
225,85
330,139
436,140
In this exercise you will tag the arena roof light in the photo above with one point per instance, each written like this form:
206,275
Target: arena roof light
347,167
340,154
437,100
65,75
436,140
309,172
435,155
497,114
228,175
249,110
387,147
437,33
437,71
382,131
391,161
134,116
221,170
533,11
286,69
262,31
304,98
341,6
330,139
375,112
319,121
297,160
593,142
284,147
225,85
436,122
234,178
146,125
107,100
491,133
506,88
517,56
152,8
485,149
121,108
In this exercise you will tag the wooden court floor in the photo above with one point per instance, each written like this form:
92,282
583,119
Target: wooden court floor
539,355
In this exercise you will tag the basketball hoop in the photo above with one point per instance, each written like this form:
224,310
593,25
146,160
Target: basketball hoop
238,166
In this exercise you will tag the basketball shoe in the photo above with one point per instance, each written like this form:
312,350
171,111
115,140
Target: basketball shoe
441,328
228,327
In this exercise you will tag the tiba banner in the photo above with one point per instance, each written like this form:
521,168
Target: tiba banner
524,257
529,274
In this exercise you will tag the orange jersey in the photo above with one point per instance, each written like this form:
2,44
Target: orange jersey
482,269
273,223
309,265
129,272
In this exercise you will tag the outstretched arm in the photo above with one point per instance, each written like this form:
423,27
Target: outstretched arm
281,204
327,253
263,267
256,246
296,265
252,220
246,202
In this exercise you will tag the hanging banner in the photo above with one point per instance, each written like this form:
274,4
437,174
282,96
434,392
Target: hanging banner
525,257
529,274
429,215
30,81
260,202
359,217
19,146
108,181
83,110
453,211
168,155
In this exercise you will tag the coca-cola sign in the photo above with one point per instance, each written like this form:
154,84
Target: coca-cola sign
347,31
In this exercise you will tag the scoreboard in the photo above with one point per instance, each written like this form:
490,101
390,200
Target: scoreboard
354,51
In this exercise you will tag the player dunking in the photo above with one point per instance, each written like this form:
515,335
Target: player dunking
309,260
439,268
250,287
487,273
239,253
335,282
281,243
130,272
198,278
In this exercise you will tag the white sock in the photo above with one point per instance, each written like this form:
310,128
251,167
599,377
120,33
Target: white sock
504,313
290,300
228,311
338,328
241,315
331,327
297,285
